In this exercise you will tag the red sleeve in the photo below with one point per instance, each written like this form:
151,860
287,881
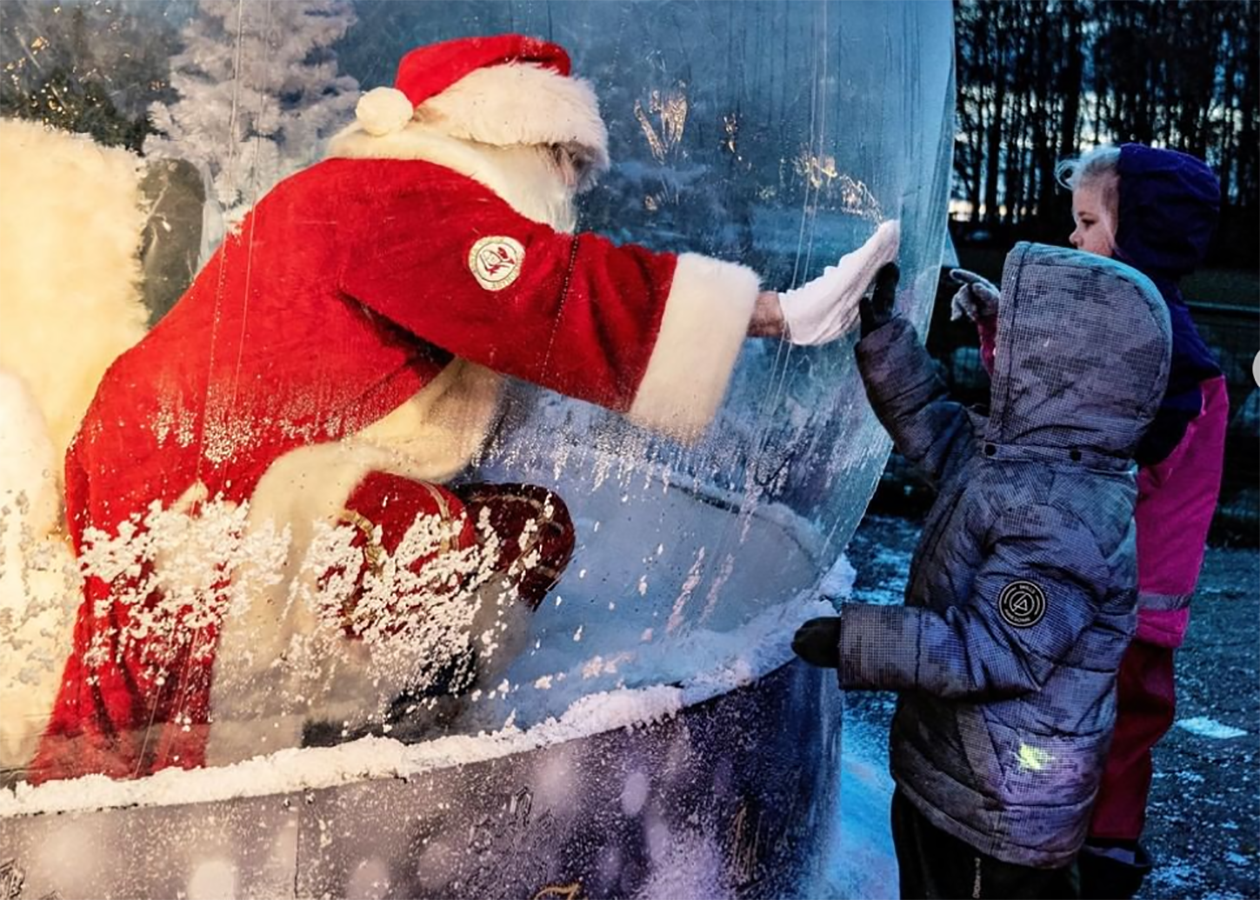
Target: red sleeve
453,264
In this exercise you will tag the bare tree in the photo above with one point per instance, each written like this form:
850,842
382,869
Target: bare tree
1039,81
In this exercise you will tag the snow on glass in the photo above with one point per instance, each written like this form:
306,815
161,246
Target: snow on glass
180,574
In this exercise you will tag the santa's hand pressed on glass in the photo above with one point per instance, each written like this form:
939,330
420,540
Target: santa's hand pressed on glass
332,368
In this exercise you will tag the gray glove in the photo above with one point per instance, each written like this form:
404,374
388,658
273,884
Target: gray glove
978,298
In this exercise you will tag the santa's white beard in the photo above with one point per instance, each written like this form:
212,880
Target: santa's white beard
536,184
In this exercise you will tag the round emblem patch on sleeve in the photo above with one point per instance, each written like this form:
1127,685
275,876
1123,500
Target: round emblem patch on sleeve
1022,603
496,261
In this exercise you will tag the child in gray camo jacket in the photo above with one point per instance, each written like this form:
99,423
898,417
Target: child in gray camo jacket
1021,593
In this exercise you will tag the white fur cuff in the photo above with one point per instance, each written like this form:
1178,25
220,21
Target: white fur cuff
705,322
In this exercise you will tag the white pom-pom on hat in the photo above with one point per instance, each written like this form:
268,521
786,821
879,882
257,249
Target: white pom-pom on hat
384,110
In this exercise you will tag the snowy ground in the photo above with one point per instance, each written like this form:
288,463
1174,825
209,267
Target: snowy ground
1204,819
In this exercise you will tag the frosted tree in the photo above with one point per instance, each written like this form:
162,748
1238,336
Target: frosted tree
258,90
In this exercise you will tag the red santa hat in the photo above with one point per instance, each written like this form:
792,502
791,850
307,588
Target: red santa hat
504,90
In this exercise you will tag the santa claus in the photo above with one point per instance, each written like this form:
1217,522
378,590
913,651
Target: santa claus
260,491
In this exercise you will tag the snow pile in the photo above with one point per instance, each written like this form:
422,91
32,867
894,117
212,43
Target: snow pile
721,661
1209,728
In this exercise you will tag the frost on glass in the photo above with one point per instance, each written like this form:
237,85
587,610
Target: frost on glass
776,134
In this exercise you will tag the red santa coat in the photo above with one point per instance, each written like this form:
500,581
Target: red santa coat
340,330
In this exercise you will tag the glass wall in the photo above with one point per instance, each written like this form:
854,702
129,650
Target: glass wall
218,625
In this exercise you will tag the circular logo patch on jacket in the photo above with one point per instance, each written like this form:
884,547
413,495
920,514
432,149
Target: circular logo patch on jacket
496,261
1022,603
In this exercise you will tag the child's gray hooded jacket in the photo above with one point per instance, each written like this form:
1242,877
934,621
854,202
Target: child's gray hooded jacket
1021,594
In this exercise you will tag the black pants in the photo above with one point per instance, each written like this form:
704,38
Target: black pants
937,866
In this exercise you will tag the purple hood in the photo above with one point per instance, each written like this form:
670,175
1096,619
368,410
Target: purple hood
1169,203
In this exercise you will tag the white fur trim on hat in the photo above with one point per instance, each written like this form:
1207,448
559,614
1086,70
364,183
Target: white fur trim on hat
522,104
383,110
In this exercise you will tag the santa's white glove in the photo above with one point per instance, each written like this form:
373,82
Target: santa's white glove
827,307
977,299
